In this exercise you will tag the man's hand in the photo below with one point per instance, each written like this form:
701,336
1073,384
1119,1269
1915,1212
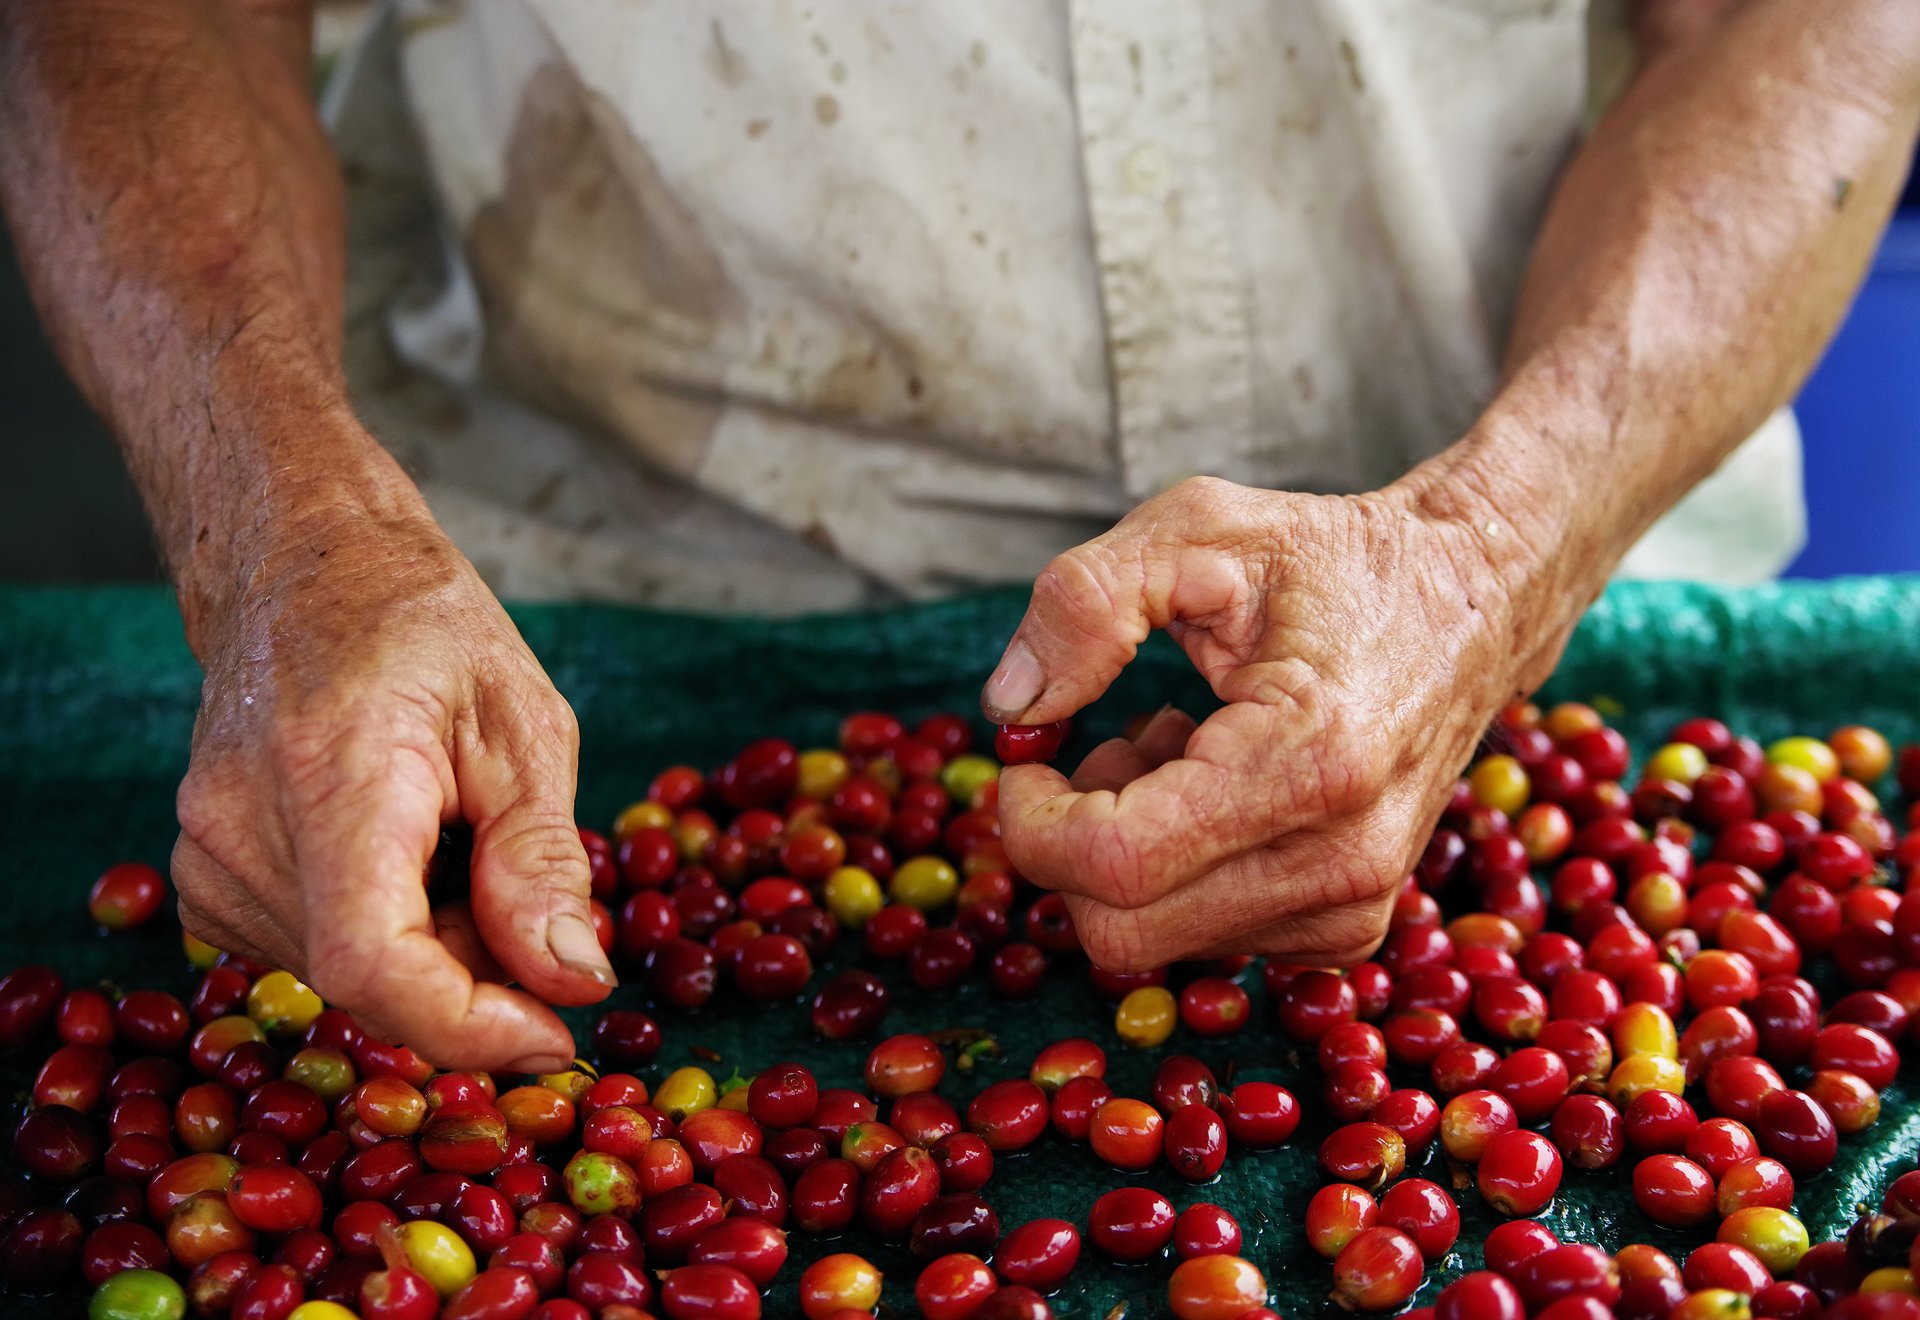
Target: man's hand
367,691
1698,252
1361,645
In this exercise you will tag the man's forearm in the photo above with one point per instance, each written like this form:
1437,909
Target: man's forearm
179,215
1697,255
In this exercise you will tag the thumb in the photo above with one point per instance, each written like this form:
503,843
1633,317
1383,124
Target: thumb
530,879
1090,610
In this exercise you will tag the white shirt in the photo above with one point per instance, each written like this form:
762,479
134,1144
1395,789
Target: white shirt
767,305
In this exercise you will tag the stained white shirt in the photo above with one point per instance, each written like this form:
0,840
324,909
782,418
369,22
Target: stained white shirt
754,304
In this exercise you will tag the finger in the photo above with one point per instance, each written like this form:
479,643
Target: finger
1241,782
1119,761
208,931
1165,737
216,906
1309,896
454,927
362,843
530,878
1092,606
1110,767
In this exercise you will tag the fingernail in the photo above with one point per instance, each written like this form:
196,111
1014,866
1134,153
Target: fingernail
578,948
1015,685
541,1063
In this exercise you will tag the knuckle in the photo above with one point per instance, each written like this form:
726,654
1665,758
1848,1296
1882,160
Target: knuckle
564,723
1201,491
1119,865
543,849
200,804
1078,582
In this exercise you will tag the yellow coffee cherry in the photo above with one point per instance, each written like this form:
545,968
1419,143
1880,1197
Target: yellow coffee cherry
1500,782
1890,1278
927,883
1658,902
1713,1304
686,1091
821,772
964,776
1643,1028
736,1097
282,1005
438,1254
329,1074
1809,754
1146,1016
318,1310
853,896
574,1083
201,956
1644,1072
1680,762
645,814
1777,1237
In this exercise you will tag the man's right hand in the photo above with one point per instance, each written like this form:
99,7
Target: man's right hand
365,689
181,221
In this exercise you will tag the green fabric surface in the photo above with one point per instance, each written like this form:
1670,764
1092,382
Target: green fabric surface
97,694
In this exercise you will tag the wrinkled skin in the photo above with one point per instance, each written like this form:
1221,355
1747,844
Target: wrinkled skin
369,690
1361,645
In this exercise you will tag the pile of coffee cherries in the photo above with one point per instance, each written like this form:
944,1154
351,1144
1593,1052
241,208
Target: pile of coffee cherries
1684,912
1580,976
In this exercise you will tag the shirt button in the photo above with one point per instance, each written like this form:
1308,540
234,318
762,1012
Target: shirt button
1147,171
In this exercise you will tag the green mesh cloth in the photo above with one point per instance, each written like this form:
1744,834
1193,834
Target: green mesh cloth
97,694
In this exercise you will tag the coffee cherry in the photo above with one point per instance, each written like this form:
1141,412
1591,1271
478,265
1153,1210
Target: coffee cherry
1470,1121
1025,744
1368,1154
1795,1130
1214,1006
1673,1190
1204,1229
1215,1288
1519,1173
1589,1132
1128,1134
1482,1295
1772,1234
1038,1254
1336,1215
903,1065
1377,1271
1424,1212
1131,1223
1261,1114
1196,1143
127,895
838,1282
954,1287
1146,1017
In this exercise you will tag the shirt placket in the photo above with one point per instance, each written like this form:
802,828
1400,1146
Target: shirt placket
1174,293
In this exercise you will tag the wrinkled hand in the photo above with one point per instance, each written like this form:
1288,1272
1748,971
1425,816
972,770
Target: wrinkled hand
1361,644
369,690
